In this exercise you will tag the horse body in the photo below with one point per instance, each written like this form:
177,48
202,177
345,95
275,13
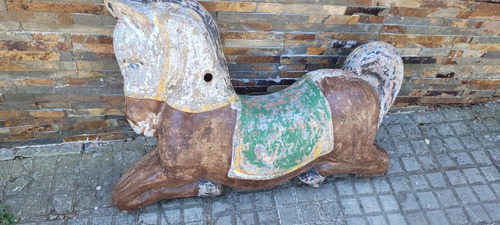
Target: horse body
196,136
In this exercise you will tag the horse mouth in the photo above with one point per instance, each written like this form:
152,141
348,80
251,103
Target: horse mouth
142,128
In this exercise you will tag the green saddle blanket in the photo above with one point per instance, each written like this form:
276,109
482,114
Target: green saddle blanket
278,133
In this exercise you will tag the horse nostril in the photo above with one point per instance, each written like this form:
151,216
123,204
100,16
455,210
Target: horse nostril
208,77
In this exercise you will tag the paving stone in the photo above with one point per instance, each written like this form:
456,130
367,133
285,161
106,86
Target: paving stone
416,218
407,201
6,154
344,187
394,167
483,192
420,147
395,131
21,167
477,214
18,185
397,118
460,128
389,203
305,194
326,192
148,218
403,148
331,211
412,131
445,161
356,221
363,186
78,221
436,179
418,182
455,177
457,216
243,219
495,154
267,217
376,220
480,157
282,196
428,130
446,198
473,176
289,215
171,216
427,116
395,219
242,201
493,210
427,163
124,218
491,123
41,184
488,140
477,126
62,203
350,206
466,195
411,164
5,169
444,129
496,188
436,145
453,143
263,200
437,217
102,220
220,220
427,200
69,164
381,185
463,159
310,213
399,183
470,142
491,173
193,214
44,165
369,204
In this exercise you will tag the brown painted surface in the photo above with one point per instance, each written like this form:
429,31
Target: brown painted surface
194,146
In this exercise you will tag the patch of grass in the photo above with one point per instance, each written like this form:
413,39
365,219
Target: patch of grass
6,217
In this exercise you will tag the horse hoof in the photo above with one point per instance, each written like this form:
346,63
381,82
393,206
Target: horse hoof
312,178
207,188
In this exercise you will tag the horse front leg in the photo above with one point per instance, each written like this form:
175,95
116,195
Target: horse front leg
147,182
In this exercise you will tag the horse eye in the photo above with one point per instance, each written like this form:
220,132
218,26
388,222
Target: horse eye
208,77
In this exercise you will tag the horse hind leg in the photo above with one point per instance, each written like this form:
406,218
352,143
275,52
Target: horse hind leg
374,163
147,182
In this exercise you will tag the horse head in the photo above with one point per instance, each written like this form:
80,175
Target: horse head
169,52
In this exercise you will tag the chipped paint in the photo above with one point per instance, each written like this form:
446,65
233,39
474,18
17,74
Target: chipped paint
278,133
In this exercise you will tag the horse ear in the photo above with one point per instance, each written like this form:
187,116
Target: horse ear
132,13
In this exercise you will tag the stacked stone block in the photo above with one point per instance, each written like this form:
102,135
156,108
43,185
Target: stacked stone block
60,81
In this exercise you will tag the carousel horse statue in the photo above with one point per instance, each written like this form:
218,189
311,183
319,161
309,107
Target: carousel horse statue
177,88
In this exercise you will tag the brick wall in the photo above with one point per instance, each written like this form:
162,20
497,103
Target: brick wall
59,80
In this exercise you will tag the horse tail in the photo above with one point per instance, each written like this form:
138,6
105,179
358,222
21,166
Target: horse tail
379,64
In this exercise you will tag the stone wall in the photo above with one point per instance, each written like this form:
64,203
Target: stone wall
59,80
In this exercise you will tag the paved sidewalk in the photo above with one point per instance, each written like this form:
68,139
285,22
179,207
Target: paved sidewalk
444,170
